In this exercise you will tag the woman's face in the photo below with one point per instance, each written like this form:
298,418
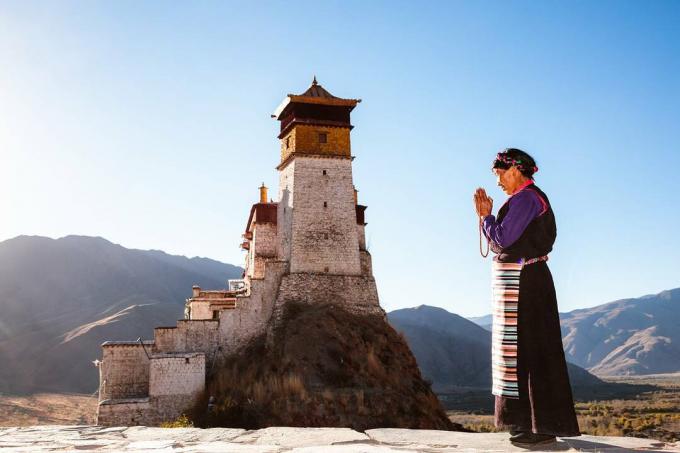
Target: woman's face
508,180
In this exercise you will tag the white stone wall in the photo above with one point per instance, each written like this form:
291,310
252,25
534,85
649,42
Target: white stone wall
128,412
250,262
285,210
265,247
264,240
361,233
323,236
366,263
355,294
201,310
188,336
177,374
124,371
249,320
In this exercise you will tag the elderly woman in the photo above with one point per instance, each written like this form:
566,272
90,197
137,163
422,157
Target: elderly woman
530,381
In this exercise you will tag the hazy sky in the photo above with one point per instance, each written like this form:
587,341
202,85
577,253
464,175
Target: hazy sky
147,123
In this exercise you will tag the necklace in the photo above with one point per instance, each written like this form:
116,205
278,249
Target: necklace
480,242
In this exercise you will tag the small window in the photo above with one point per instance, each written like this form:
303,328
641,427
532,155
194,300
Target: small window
324,172
186,359
323,137
325,204
325,235
325,269
287,142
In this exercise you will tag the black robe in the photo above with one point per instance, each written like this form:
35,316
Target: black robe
545,403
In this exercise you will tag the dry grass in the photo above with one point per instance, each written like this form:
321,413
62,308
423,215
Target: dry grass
47,409
288,385
373,363
475,422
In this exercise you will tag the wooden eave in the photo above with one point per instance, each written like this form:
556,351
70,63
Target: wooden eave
301,99
264,217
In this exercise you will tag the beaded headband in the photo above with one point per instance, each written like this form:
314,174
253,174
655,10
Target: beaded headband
508,162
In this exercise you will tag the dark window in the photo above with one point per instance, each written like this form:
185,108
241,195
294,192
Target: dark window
323,137
186,359
324,172
325,269
288,142
325,235
325,204
216,314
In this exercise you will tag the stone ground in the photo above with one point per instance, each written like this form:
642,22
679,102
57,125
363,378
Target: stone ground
299,440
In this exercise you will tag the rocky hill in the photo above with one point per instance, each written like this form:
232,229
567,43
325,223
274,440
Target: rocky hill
323,366
60,299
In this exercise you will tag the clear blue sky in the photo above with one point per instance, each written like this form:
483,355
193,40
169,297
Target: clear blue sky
147,123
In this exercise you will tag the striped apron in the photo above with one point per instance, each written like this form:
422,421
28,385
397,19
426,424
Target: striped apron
505,285
505,281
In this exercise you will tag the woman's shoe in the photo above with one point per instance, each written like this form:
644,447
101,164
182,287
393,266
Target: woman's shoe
516,433
533,439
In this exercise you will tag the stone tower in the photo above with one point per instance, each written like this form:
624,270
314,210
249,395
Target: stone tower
317,213
306,249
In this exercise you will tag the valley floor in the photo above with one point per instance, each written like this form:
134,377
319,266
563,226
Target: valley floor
653,414
47,409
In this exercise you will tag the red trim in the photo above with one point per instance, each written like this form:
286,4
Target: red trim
543,202
527,183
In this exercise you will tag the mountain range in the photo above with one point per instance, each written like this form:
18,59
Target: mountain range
622,338
60,299
626,337
454,352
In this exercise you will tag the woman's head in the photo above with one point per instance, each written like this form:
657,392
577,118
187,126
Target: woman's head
513,167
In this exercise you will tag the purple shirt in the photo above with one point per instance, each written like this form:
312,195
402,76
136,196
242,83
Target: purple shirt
524,207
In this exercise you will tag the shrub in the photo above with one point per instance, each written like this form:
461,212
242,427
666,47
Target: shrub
182,422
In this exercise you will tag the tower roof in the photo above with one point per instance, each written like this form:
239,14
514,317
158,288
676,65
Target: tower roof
315,94
316,91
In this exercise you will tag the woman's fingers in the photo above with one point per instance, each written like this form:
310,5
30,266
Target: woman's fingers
482,202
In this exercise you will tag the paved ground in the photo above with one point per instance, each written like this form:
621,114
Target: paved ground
299,440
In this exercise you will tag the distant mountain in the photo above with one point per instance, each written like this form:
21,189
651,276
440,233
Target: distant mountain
623,338
626,337
454,352
483,321
60,299
451,351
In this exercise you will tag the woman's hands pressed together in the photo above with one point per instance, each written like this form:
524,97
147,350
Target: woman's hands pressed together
483,203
